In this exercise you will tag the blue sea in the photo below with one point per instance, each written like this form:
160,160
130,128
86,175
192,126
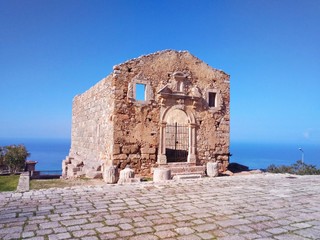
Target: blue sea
50,152
261,155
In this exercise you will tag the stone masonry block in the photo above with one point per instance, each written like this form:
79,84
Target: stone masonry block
120,156
125,149
148,150
134,156
130,149
145,156
116,149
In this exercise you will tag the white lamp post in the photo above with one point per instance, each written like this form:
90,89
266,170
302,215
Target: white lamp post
302,155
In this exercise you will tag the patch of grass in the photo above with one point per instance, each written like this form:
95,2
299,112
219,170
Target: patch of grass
9,183
146,179
37,184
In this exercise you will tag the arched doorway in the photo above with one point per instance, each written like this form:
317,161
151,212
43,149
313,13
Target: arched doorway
177,136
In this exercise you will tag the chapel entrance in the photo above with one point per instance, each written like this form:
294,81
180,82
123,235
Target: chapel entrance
177,142
177,137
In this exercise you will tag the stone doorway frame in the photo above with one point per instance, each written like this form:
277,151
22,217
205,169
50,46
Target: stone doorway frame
162,158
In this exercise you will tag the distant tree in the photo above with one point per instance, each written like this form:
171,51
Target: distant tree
2,152
305,169
15,157
280,169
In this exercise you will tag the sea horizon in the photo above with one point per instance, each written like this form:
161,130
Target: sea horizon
260,155
50,152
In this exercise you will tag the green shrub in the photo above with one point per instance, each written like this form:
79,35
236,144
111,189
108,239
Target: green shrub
299,168
15,157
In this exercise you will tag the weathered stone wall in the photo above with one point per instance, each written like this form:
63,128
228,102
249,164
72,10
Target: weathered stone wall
92,130
111,126
213,133
137,124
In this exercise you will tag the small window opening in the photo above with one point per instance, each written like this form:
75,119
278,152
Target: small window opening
212,99
140,92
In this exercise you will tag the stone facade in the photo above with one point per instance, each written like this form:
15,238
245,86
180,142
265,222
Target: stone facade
182,115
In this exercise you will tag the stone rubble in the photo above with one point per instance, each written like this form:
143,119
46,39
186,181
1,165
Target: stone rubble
110,174
127,176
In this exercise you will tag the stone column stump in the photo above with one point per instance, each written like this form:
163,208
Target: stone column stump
110,174
126,175
212,169
161,174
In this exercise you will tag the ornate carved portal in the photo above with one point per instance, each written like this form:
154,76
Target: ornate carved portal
178,100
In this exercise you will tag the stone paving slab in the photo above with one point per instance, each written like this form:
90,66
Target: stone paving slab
262,206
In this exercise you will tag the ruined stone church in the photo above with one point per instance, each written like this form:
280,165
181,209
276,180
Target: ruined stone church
168,109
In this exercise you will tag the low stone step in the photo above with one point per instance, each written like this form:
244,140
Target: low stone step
202,173
186,176
176,164
185,169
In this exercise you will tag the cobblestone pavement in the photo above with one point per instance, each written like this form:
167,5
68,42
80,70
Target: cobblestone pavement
260,206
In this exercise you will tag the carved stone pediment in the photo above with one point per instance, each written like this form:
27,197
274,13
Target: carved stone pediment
165,90
179,87
179,75
176,86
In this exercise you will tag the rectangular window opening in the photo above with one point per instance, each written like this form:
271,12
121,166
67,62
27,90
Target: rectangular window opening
140,92
212,99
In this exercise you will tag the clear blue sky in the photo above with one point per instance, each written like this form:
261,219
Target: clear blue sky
52,50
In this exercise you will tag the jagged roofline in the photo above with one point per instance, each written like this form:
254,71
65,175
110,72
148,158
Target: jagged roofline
163,52
109,76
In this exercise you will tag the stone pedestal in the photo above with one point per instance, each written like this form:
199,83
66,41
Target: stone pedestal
212,169
110,174
161,174
126,175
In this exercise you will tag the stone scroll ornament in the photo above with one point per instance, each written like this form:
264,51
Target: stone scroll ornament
195,92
